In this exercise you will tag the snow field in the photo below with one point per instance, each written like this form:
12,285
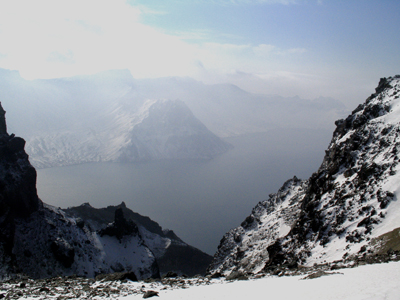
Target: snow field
368,282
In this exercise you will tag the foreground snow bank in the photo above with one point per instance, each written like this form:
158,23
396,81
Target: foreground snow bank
369,282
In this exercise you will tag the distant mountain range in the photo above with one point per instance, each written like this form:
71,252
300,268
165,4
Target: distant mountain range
347,211
111,116
43,241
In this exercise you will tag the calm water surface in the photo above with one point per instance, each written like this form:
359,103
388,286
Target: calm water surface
199,200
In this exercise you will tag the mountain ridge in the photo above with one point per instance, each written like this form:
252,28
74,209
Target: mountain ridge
90,118
43,241
336,213
172,254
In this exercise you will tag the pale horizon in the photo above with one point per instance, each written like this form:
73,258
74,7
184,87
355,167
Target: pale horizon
334,49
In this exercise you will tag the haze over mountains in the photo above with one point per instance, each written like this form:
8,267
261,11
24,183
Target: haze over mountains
347,210
344,215
103,117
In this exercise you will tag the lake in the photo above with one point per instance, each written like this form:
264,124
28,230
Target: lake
199,200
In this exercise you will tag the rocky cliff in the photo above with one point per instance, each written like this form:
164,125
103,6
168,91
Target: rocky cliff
18,196
40,241
172,254
347,210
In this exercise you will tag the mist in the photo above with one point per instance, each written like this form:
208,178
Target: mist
75,127
199,200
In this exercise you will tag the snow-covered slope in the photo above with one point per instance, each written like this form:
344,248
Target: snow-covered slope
244,248
342,210
172,254
372,282
42,241
49,243
158,129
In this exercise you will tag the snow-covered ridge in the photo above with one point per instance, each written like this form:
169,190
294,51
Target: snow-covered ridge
158,129
350,200
171,253
270,220
50,243
43,241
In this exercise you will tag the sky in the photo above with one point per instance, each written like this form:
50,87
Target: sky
310,48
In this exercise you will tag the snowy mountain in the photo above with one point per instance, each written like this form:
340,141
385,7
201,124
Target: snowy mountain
111,116
228,110
50,243
158,129
172,254
347,210
98,118
43,241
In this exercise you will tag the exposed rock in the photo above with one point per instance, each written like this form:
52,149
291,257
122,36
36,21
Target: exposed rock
149,294
268,221
170,274
117,276
63,252
3,125
236,276
120,227
41,241
320,273
18,195
335,213
173,254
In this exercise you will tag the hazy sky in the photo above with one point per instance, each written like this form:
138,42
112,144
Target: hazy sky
288,47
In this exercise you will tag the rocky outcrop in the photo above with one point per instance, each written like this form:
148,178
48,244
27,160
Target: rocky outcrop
18,195
3,125
42,241
333,215
244,249
120,227
172,254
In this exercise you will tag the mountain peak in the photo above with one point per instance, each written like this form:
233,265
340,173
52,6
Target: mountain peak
3,125
341,209
17,176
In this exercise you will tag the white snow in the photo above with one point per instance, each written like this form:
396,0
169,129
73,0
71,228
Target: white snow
369,282
359,206
392,219
158,129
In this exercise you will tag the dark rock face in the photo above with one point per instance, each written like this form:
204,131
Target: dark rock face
3,126
339,209
42,241
185,259
172,254
18,195
63,252
117,276
120,227
244,249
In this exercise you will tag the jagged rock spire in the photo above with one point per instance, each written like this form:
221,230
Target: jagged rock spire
3,126
18,194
